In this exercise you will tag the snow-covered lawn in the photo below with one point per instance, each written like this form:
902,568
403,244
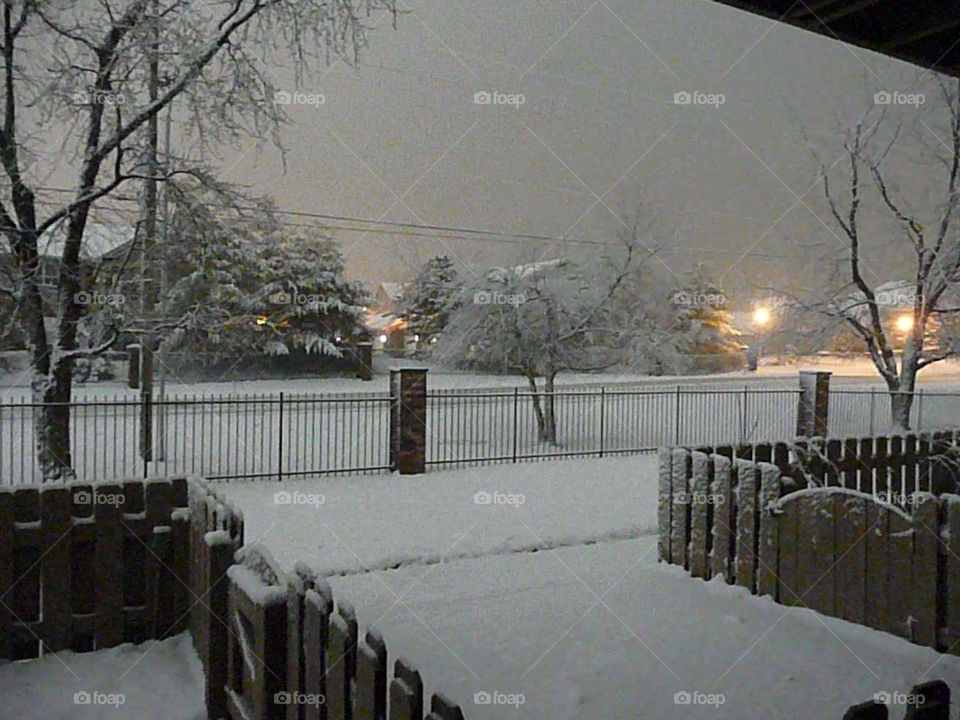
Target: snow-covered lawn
560,598
153,681
603,631
346,525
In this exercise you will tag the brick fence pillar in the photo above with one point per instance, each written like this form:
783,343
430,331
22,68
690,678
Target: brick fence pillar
812,409
408,420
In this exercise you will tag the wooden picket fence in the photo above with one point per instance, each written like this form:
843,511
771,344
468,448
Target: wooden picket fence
85,567
891,467
837,550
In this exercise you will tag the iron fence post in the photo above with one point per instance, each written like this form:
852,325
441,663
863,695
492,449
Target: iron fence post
602,397
920,410
873,407
676,424
743,418
516,407
280,443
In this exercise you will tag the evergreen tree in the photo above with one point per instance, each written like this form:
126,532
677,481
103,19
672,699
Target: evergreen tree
435,294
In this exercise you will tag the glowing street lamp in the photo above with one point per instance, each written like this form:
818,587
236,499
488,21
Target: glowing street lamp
904,323
761,317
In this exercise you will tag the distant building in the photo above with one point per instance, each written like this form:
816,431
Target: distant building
383,320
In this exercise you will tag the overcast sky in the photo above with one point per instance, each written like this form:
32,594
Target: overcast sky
401,137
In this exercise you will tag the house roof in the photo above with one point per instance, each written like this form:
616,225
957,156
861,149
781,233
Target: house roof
393,290
99,239
925,33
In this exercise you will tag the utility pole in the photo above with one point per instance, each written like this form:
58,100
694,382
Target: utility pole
148,295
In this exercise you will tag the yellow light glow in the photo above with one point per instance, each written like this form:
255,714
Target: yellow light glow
761,316
262,320
905,323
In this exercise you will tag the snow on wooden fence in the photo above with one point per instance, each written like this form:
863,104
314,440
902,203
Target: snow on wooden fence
891,467
86,567
835,549
275,645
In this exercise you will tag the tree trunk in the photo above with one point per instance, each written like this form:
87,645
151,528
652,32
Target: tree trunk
537,406
900,404
52,423
549,415
902,394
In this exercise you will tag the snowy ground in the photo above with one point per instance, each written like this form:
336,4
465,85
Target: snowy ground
15,383
603,631
348,525
561,599
153,681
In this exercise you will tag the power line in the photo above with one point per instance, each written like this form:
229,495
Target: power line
427,231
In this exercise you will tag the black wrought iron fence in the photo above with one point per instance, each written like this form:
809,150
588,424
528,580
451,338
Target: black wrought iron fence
467,427
296,435
218,437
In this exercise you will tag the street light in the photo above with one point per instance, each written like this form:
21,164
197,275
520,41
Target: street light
904,323
761,317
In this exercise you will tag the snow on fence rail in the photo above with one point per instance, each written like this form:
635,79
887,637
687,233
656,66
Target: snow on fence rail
86,567
835,549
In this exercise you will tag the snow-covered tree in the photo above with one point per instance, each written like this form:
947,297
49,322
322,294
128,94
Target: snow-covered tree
541,319
434,294
85,102
882,208
703,333
307,304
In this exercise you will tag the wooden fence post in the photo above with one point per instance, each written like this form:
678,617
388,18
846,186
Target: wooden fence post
926,553
664,504
698,503
769,540
218,559
680,508
929,701
56,566
724,533
406,692
872,710
371,681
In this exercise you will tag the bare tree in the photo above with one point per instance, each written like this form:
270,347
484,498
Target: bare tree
879,194
81,66
544,318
